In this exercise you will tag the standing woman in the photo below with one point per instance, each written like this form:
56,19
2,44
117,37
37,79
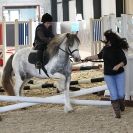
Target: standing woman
114,62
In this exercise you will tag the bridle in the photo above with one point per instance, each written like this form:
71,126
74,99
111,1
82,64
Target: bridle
68,51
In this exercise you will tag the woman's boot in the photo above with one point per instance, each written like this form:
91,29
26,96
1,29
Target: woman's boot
0,118
116,108
122,104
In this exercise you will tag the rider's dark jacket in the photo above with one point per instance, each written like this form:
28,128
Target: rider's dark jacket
42,37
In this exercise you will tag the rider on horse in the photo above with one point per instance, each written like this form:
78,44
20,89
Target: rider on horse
43,35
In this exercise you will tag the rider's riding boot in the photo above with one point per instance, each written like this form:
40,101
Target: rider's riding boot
45,57
39,59
116,108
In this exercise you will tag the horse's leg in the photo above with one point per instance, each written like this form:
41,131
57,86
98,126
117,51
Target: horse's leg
22,87
67,106
60,86
18,83
64,84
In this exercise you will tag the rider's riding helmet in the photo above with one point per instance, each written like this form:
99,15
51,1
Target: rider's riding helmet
46,18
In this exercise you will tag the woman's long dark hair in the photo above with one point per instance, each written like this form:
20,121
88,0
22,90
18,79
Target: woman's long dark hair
115,40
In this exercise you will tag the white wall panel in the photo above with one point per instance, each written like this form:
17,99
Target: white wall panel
59,12
129,6
108,7
72,10
88,9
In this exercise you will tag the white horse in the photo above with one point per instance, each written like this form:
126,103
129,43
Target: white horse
58,67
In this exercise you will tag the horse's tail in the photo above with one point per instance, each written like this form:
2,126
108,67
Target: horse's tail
7,81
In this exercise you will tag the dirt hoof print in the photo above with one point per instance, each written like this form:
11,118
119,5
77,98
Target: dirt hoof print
71,111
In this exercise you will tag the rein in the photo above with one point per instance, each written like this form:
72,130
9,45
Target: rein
70,52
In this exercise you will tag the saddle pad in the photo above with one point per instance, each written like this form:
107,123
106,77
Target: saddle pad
32,58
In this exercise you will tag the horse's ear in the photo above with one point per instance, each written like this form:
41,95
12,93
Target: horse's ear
68,35
76,32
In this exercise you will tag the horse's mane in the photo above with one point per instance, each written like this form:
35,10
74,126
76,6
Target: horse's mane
54,44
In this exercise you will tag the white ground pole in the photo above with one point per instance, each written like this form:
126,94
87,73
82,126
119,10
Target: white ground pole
58,99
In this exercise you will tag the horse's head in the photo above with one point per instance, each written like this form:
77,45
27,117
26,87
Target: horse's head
66,43
73,46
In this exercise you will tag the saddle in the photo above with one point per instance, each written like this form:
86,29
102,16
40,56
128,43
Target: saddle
32,58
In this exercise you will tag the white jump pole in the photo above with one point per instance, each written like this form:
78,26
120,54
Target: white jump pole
16,106
90,102
88,91
52,99
25,104
84,81
73,101
30,99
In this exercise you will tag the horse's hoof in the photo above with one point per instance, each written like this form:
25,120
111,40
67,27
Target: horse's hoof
59,92
68,110
71,111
